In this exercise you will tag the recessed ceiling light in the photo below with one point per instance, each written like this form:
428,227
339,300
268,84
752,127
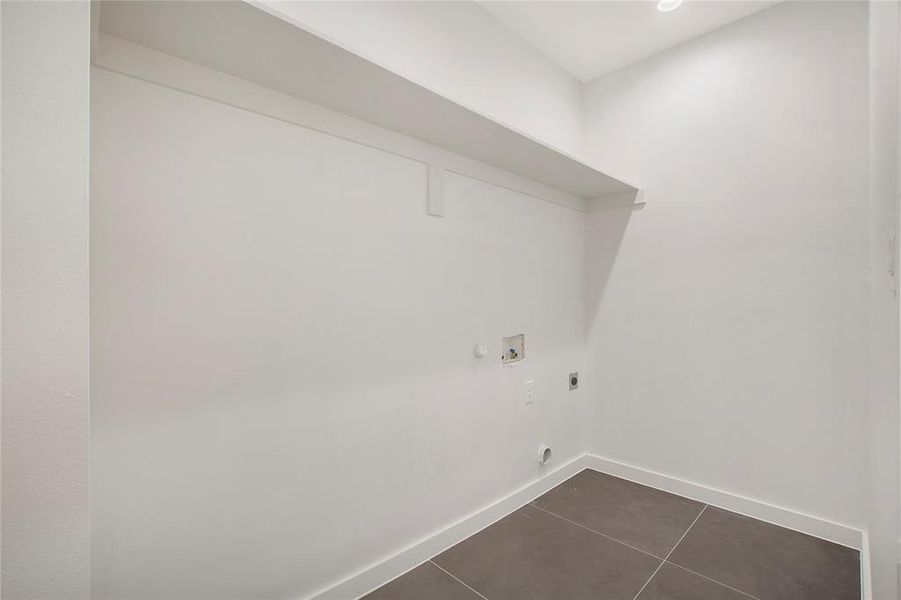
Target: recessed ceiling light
668,5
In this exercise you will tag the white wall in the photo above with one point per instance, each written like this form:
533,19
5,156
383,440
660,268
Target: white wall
460,51
284,389
731,338
273,310
45,431
882,408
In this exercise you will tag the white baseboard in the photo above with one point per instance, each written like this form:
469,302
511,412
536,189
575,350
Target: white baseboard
377,574
382,572
758,509
866,581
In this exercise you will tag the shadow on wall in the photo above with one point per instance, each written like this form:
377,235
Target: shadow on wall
605,227
281,348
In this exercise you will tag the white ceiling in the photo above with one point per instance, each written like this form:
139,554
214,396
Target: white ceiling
589,39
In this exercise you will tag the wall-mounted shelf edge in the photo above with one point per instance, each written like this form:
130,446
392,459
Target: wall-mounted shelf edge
154,67
247,42
633,199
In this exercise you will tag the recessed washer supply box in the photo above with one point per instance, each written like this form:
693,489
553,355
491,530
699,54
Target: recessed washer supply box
514,348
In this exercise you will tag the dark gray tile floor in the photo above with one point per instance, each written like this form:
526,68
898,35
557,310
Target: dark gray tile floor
599,537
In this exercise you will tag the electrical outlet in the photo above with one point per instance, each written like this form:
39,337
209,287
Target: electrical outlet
528,392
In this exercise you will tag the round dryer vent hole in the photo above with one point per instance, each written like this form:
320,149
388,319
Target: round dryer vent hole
544,455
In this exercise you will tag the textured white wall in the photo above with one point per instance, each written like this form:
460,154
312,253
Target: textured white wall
731,338
713,360
283,383
46,428
460,51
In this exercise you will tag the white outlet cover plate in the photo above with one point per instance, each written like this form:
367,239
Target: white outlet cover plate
528,392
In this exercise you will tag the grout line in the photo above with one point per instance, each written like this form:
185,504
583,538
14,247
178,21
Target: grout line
670,552
638,593
597,532
740,505
669,562
470,588
663,561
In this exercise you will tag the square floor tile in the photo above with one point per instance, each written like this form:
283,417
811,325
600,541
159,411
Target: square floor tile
651,520
768,561
531,554
674,583
425,581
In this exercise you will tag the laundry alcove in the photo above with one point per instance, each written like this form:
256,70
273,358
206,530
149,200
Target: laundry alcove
283,311
351,299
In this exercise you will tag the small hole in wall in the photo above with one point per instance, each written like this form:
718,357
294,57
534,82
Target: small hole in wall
514,348
544,455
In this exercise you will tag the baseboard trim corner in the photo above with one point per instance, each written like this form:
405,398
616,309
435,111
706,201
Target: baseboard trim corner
866,578
839,533
381,572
